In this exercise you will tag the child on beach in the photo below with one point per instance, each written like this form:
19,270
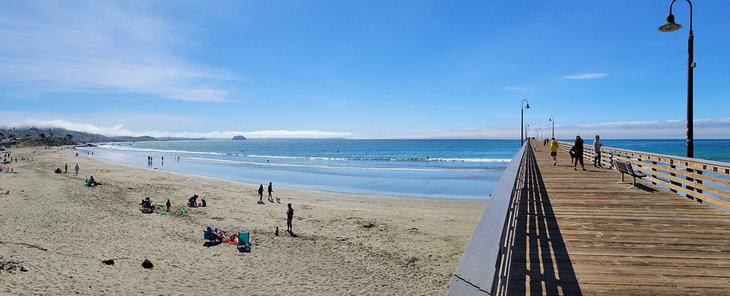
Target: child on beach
289,218
76,169
168,205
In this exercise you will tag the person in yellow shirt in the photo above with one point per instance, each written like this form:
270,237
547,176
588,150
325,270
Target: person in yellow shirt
554,150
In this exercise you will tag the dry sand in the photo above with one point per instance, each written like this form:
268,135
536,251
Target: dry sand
60,231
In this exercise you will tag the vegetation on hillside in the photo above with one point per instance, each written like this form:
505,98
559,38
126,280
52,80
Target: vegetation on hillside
33,136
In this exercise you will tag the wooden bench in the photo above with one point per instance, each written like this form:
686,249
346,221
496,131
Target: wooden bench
625,168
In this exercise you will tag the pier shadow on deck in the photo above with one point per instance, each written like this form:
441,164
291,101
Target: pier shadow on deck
540,262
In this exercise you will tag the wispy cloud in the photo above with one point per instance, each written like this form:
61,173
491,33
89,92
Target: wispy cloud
586,76
290,48
67,47
665,129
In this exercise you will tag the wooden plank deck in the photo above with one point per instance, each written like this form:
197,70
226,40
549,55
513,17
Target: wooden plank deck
581,233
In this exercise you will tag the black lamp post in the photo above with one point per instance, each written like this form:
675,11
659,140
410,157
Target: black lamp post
552,119
522,120
671,26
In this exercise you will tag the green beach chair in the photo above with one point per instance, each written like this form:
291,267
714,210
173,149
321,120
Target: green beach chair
244,242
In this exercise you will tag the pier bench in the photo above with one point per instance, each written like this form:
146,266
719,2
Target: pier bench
625,168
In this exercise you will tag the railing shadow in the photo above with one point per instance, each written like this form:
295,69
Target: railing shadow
540,261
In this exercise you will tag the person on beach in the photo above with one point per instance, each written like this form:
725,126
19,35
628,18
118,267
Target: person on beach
554,150
261,193
193,201
65,169
167,205
271,199
578,152
289,217
597,150
202,202
76,169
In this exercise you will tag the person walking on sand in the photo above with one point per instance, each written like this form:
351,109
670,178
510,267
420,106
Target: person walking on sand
261,193
271,199
65,169
289,218
76,169
554,150
578,150
167,205
597,152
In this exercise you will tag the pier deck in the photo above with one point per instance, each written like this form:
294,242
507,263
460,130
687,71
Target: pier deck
579,232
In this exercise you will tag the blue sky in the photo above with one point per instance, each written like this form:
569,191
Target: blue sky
362,69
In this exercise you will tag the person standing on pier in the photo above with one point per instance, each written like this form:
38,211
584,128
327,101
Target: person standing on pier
554,150
597,152
578,149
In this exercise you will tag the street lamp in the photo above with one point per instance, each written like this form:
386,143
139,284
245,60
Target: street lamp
671,26
522,119
552,119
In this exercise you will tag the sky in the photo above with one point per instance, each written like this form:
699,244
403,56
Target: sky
363,69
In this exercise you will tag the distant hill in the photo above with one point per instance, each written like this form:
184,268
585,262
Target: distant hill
60,136
239,138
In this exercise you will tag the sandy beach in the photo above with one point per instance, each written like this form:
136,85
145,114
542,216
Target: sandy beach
60,231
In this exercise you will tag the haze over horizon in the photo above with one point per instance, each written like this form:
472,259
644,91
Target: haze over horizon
375,69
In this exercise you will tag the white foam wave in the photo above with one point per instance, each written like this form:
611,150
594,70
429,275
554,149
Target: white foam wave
337,167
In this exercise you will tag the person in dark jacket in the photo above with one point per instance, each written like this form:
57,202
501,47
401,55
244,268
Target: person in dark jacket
578,151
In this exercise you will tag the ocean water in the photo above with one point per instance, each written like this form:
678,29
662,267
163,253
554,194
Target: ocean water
716,150
423,168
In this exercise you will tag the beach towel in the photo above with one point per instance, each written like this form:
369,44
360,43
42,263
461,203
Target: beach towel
233,241
244,242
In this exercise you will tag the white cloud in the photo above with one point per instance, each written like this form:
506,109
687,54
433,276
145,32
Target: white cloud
586,76
100,46
666,129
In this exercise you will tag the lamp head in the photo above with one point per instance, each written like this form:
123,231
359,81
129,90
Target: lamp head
528,106
670,26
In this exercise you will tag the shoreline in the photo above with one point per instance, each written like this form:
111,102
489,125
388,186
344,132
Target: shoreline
220,179
347,243
443,184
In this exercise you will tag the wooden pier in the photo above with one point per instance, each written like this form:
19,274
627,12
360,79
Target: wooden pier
571,232
585,233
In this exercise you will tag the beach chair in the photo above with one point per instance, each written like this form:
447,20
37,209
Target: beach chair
210,237
244,242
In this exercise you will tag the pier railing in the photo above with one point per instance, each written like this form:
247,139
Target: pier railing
484,267
698,179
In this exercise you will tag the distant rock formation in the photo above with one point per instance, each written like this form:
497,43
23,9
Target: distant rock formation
239,138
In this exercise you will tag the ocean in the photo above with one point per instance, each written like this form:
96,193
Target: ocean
466,169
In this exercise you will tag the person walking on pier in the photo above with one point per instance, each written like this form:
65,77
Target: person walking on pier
597,152
578,150
554,150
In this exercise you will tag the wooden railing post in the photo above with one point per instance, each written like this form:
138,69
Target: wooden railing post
673,166
689,179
